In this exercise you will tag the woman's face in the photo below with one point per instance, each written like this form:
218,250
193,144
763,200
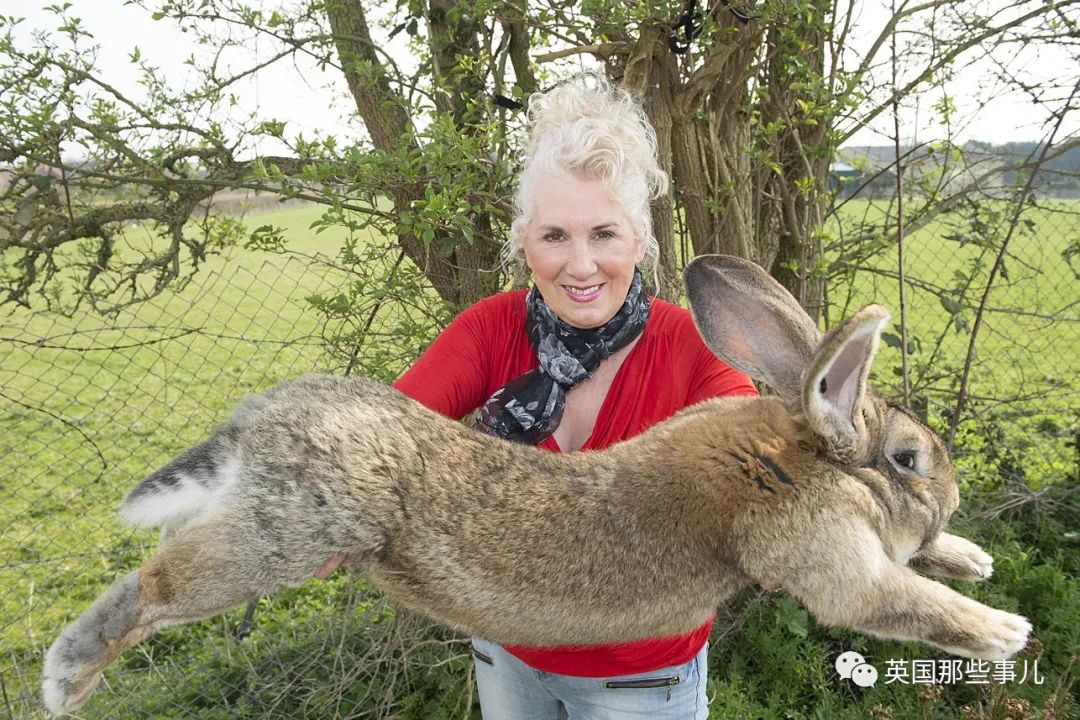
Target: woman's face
581,249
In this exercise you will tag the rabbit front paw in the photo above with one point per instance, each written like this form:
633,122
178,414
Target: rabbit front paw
993,634
979,564
954,557
1006,634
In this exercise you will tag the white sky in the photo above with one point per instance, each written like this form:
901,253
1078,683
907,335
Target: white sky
1003,117
308,99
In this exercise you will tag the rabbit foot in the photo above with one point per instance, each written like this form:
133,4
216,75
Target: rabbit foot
954,557
998,634
66,694
68,680
74,663
979,564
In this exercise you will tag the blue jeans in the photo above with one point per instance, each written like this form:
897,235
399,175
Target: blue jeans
511,690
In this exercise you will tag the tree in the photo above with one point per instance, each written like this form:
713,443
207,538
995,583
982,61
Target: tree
750,101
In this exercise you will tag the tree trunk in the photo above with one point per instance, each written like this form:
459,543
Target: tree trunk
710,140
648,74
454,34
659,104
801,151
758,196
461,278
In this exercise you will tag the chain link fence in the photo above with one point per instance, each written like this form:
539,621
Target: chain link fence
88,406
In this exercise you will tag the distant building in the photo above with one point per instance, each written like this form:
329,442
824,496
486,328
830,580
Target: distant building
842,177
861,175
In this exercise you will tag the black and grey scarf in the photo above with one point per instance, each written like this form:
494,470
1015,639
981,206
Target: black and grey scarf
529,408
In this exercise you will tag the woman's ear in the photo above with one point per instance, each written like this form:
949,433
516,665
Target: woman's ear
639,255
522,255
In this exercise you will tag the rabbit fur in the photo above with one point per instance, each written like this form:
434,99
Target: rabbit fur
826,490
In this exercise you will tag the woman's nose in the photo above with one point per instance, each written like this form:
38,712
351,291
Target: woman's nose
581,263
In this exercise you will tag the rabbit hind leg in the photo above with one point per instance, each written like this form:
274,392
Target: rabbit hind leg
197,575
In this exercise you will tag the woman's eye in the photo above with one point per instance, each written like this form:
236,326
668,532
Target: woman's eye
604,235
905,460
553,237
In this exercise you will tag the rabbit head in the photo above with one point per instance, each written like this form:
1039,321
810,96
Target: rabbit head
755,325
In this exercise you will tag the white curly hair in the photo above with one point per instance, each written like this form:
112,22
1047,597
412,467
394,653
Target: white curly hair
594,131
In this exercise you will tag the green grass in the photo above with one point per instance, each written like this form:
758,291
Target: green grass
1023,378
78,428
81,427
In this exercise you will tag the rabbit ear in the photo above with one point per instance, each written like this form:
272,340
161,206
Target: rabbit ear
750,321
835,382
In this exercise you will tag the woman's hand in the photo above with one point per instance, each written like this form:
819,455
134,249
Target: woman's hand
332,564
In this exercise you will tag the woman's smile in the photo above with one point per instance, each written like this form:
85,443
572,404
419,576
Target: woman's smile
583,295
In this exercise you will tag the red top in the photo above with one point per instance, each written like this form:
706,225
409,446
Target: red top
668,369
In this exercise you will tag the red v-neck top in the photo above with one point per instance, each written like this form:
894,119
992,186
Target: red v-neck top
669,368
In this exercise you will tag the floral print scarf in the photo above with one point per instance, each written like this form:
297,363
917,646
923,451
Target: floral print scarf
529,408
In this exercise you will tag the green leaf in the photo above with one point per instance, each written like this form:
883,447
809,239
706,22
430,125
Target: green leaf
266,237
950,305
792,617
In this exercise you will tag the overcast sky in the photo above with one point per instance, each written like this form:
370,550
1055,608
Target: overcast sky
309,99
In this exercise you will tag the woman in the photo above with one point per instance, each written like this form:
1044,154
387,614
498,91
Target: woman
583,360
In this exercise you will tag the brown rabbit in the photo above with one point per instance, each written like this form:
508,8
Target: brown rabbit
828,491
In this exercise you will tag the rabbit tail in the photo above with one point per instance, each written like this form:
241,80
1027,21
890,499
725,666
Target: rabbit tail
195,481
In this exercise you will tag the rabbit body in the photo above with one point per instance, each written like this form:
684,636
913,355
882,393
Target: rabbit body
812,492
493,538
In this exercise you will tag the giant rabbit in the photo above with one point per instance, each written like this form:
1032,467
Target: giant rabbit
827,490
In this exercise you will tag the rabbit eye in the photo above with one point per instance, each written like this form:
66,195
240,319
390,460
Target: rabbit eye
905,460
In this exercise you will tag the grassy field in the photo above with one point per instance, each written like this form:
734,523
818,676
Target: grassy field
1026,363
89,406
